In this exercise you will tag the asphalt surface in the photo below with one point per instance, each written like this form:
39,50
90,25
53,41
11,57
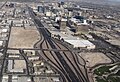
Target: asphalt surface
5,55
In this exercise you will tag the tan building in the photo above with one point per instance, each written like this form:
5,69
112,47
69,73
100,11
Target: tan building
63,24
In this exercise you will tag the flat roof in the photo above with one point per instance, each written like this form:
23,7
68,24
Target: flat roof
1,43
80,43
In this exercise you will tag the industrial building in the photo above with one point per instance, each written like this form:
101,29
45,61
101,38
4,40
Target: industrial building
76,42
81,44
18,23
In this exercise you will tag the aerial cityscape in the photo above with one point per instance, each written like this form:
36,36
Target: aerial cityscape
59,41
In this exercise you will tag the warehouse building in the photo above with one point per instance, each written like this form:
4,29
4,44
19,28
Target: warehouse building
81,44
76,42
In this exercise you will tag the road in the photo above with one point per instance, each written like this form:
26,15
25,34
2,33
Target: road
111,51
3,5
5,54
65,62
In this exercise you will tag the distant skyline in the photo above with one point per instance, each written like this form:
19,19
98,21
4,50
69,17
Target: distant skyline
104,2
93,0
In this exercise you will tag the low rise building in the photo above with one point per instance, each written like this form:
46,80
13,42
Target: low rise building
76,42
1,43
63,24
16,66
4,30
81,44
33,58
18,23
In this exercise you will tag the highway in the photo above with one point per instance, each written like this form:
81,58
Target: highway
64,62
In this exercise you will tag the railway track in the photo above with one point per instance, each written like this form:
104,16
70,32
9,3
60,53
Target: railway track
51,63
58,66
71,75
55,64
69,70
73,63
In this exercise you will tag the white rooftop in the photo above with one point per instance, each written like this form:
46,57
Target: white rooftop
63,19
4,30
81,43
1,43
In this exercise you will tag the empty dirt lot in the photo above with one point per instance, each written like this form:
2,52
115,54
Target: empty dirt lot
94,58
23,38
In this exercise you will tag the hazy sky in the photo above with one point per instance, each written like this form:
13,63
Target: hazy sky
114,0
92,0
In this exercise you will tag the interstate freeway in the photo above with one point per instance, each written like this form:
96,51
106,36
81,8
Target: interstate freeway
64,62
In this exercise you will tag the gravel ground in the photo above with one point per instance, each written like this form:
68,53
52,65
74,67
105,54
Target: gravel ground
95,58
23,38
19,64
